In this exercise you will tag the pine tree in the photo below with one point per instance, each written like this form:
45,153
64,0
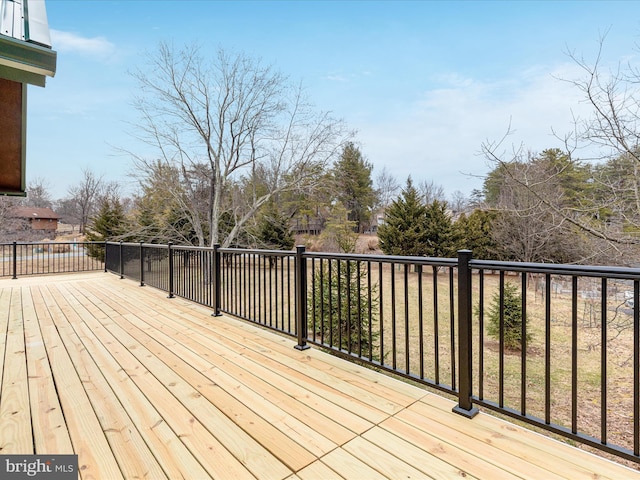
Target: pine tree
354,187
340,304
339,233
473,233
404,231
439,230
274,231
512,317
108,224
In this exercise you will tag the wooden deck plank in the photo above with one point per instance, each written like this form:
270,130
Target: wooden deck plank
234,376
134,457
530,447
188,384
241,403
311,411
317,471
350,466
15,410
377,401
307,365
49,427
263,345
480,458
344,382
389,465
223,351
433,456
205,395
95,458
135,360
328,405
5,312
176,460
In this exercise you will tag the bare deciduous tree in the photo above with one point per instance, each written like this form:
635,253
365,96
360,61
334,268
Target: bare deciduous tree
459,203
218,121
526,228
38,194
9,225
430,192
541,201
83,197
608,209
387,187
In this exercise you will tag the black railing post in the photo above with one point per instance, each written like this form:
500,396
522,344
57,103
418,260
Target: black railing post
215,277
170,270
15,261
141,265
105,255
465,341
121,262
301,298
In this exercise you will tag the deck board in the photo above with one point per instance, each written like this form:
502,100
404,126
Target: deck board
15,410
95,457
49,428
142,386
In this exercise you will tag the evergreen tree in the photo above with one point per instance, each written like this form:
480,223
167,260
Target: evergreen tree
512,317
161,214
354,186
439,230
340,304
339,231
404,231
108,224
274,230
473,233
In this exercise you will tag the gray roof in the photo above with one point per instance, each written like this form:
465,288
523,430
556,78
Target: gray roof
32,212
25,43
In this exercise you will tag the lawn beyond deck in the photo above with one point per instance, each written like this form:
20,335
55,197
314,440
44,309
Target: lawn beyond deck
142,386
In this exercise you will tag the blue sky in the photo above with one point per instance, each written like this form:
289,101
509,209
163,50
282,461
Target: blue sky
424,83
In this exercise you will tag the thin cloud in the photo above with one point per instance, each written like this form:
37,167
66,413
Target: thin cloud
336,77
440,135
69,42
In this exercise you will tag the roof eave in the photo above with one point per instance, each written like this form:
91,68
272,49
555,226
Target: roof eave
26,62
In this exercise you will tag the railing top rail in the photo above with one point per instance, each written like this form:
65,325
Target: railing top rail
188,247
68,242
133,244
277,253
148,245
432,261
558,269
158,245
528,267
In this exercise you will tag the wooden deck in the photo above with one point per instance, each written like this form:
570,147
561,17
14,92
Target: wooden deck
142,386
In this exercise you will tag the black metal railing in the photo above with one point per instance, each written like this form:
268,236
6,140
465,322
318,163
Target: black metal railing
577,370
396,313
259,285
41,258
574,368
